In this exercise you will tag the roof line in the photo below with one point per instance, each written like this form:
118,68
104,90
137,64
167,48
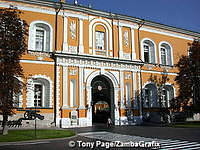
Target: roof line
110,15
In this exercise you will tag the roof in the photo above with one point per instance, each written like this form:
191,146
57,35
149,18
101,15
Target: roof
91,11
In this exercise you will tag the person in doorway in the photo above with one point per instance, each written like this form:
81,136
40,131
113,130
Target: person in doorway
109,122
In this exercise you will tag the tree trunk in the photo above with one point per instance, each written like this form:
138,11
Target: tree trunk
5,127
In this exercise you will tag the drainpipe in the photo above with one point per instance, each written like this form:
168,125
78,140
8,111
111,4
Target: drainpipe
140,24
57,10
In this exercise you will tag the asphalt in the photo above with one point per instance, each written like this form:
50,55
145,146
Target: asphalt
189,134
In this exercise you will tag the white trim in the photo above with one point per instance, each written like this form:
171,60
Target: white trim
81,47
133,44
37,62
171,49
168,73
142,48
32,33
120,42
65,35
125,24
89,93
80,16
158,31
65,86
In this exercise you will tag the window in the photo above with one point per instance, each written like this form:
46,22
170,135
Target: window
149,55
40,37
167,95
150,96
39,40
38,95
165,54
146,53
100,40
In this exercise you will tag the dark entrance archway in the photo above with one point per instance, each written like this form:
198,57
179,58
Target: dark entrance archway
102,99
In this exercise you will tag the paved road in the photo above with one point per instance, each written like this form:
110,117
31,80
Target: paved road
169,138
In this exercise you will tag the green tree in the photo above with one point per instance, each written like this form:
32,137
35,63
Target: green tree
13,32
188,77
160,83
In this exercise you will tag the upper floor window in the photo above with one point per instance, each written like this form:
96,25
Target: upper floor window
40,37
100,40
149,55
165,54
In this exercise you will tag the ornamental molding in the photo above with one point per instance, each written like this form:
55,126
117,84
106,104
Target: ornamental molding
79,62
39,54
73,29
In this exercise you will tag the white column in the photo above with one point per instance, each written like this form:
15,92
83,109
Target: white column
81,93
81,47
122,88
89,111
65,40
133,44
120,43
116,98
65,87
139,88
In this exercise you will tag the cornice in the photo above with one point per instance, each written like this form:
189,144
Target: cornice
97,62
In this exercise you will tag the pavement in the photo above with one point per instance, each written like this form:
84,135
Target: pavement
99,136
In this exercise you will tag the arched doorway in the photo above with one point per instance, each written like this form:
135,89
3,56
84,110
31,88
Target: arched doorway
102,99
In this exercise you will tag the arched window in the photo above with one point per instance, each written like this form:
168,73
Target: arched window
150,96
149,55
40,36
165,54
100,40
167,95
39,93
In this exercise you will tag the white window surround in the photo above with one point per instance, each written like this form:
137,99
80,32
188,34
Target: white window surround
108,34
171,52
30,90
32,35
142,48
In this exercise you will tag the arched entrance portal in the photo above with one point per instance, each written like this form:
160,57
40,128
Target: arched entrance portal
102,99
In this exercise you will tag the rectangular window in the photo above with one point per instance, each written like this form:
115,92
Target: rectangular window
164,99
147,97
38,94
146,53
163,56
39,40
100,40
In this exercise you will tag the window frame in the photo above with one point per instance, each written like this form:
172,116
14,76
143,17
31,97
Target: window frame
32,36
44,39
169,53
152,50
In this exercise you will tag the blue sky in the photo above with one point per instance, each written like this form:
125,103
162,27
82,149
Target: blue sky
178,13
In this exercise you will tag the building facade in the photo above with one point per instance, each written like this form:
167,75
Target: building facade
84,65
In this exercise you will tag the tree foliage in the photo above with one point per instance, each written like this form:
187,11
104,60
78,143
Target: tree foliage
188,77
13,32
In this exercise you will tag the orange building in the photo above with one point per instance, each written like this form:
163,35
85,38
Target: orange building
79,59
